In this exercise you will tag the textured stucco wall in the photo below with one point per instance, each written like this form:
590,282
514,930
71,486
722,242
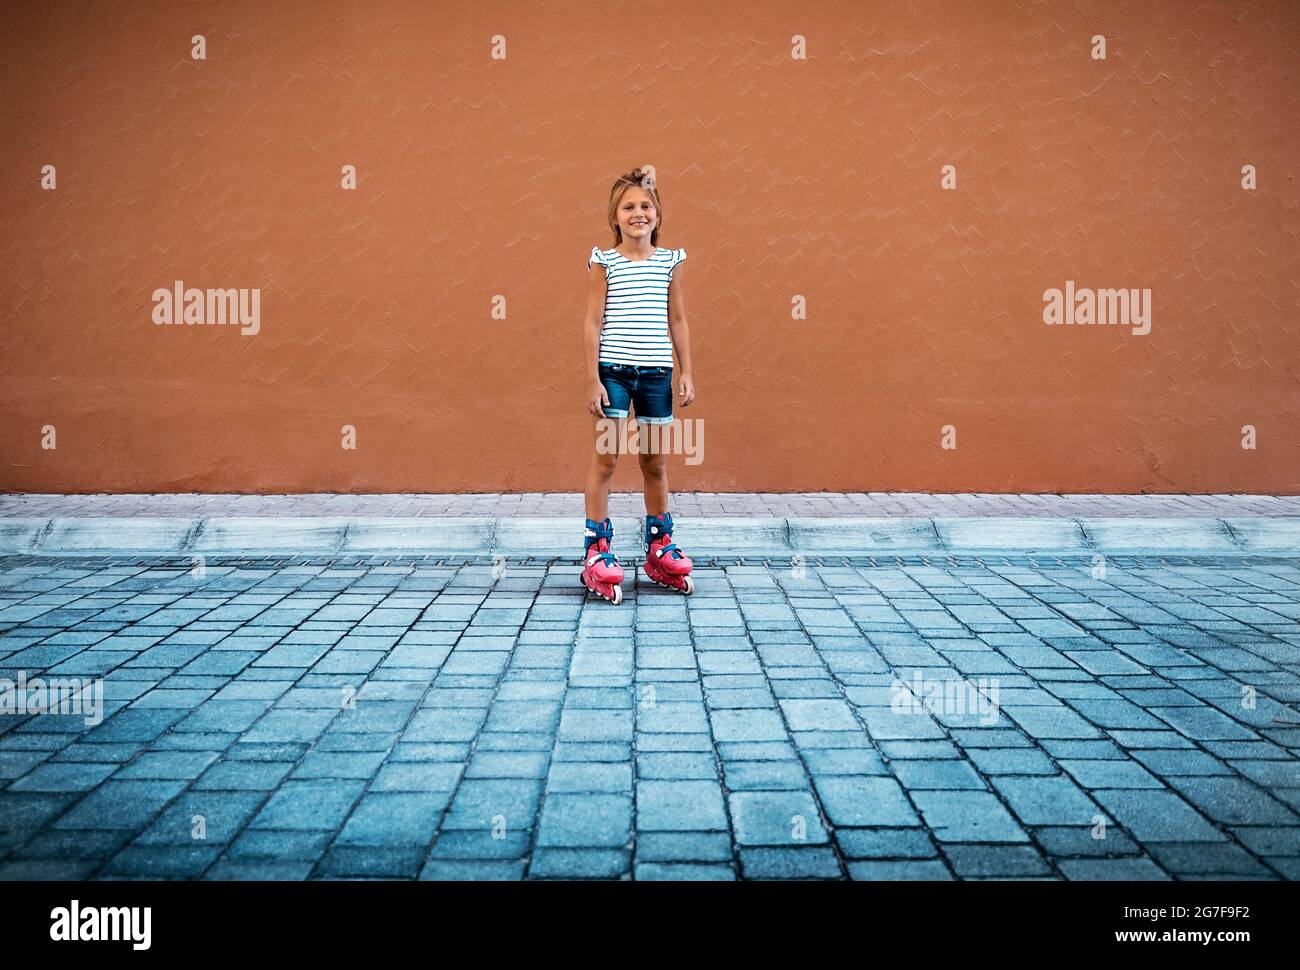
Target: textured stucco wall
781,177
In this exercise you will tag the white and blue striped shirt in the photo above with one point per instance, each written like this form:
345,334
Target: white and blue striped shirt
635,329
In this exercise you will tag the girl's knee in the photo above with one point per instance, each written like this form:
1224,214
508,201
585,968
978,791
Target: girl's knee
652,463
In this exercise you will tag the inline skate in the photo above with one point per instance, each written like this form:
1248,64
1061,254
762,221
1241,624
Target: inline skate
665,563
601,572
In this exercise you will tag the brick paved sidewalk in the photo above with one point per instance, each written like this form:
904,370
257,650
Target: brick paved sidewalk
684,504
469,720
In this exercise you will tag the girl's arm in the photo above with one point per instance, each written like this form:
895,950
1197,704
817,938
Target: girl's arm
597,286
680,331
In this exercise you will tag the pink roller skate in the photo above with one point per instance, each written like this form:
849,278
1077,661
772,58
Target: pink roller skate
601,572
664,562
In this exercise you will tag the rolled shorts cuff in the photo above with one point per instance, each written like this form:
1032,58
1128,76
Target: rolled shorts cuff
667,420
614,413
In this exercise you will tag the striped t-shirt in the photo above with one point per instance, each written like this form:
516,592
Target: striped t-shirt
635,329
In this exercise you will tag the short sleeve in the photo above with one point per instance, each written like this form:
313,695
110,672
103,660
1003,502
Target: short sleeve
596,257
679,256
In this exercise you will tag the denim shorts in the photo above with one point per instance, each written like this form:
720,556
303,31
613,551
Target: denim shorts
648,389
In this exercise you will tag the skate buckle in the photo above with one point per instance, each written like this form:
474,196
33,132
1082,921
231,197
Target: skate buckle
606,557
672,546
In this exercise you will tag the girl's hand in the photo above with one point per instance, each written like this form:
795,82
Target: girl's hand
686,387
596,397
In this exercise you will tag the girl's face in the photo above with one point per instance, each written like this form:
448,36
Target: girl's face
636,214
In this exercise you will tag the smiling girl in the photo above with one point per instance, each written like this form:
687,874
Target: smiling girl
636,317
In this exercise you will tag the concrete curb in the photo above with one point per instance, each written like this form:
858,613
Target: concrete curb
1271,536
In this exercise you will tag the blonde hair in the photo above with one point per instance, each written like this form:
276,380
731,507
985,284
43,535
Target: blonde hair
644,178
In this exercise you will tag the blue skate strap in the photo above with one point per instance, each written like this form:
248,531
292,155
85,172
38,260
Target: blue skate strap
665,527
606,557
595,536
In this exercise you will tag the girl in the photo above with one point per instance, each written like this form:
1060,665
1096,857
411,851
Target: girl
636,316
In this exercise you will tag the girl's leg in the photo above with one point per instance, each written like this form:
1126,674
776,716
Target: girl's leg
653,470
665,563
608,441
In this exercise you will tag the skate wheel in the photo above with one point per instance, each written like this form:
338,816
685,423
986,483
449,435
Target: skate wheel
690,585
618,595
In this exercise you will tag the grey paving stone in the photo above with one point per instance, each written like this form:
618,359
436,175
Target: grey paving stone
1199,859
1157,816
586,820
819,715
1171,763
260,870
181,765
478,870
595,725
967,816
1233,800
929,870
685,872
909,843
811,862
244,775
45,870
1082,750
1085,840
63,778
202,818
120,805
174,862
747,725
478,802
676,765
370,861
553,863
1113,870
393,819
308,805
919,750
481,843
1051,722
339,764
776,818
508,764
76,844
679,806
1047,801
1008,861
811,740
864,802
1203,724
1011,761
1266,840
937,774
765,776
844,761
673,743
683,847
589,777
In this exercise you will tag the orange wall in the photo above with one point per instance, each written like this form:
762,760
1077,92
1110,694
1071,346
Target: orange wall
780,177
